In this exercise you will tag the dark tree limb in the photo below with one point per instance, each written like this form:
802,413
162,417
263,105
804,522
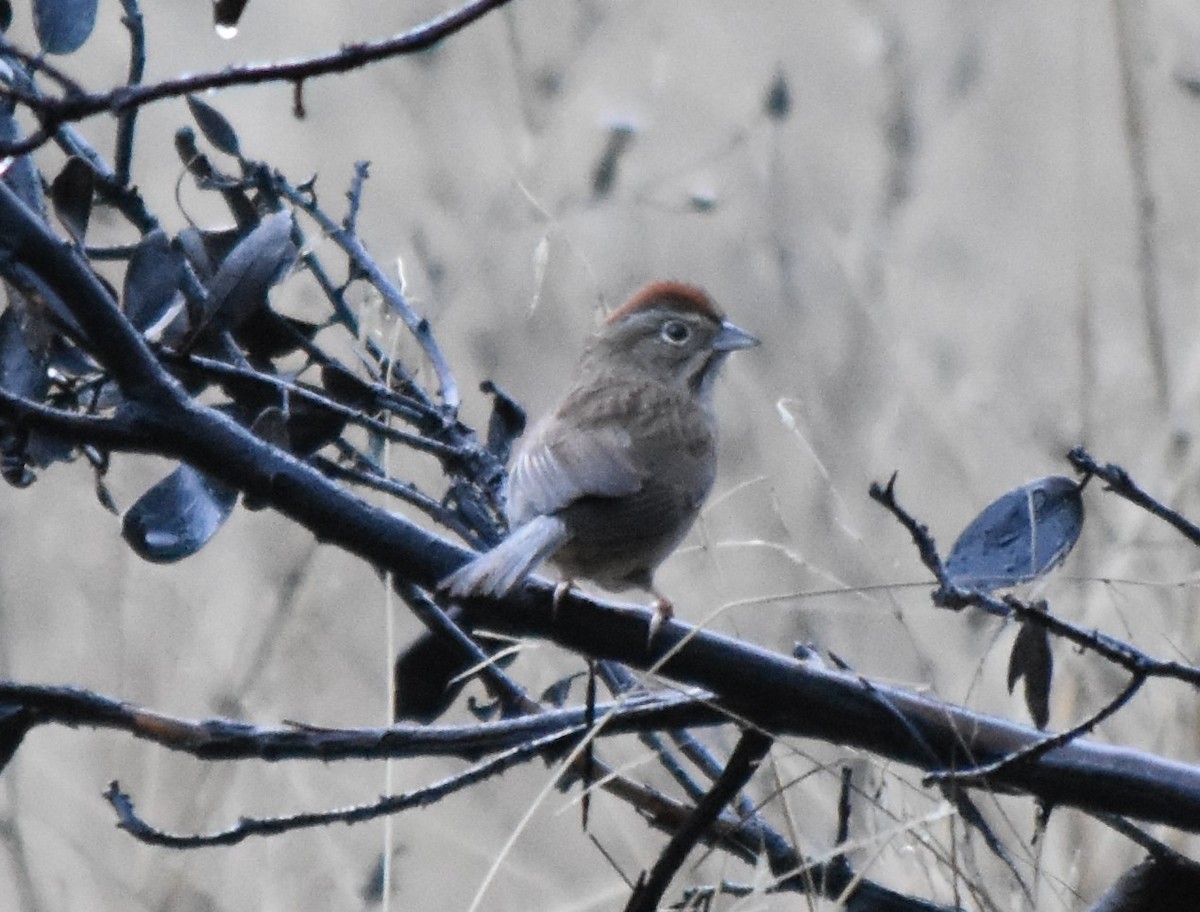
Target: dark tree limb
228,739
750,750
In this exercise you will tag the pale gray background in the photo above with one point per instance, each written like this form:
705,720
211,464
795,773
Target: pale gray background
962,309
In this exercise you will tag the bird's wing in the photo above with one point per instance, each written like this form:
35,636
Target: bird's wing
559,464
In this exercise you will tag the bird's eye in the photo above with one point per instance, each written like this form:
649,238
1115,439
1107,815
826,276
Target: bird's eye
676,332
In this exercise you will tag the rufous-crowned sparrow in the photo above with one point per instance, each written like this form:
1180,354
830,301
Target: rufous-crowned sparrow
609,483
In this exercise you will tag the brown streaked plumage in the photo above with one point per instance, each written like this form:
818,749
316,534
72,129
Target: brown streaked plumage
609,483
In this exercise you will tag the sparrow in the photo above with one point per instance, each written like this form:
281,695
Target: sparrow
608,484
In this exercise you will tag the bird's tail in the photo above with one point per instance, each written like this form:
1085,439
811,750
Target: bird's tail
496,572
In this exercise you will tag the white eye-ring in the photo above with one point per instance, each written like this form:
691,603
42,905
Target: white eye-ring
676,332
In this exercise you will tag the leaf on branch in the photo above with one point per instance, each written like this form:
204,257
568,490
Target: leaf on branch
216,129
267,335
306,426
22,370
176,517
226,14
559,692
310,427
15,721
240,286
153,294
347,388
21,174
205,250
71,193
1032,660
427,676
1019,536
422,679
271,426
104,496
63,26
23,374
1155,885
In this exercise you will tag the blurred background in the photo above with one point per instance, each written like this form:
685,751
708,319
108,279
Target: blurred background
967,235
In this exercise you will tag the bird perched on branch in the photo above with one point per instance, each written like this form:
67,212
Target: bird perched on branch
608,484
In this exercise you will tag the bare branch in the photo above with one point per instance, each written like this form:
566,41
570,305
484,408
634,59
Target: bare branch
979,775
948,595
76,104
128,819
228,739
750,750
1121,484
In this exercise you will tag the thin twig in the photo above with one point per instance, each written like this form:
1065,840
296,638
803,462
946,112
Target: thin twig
1120,483
979,775
128,819
295,391
127,120
365,264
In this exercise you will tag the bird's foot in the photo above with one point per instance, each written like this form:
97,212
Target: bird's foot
561,588
663,612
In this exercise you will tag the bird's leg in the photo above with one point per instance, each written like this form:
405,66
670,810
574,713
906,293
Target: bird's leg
561,588
663,612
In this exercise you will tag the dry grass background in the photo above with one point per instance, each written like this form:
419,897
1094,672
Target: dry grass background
940,248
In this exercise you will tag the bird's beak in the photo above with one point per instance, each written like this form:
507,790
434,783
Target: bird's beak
731,338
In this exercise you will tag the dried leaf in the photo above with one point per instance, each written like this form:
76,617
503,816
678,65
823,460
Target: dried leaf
557,693
216,129
22,371
176,517
246,275
71,193
1032,661
1019,536
153,295
63,26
